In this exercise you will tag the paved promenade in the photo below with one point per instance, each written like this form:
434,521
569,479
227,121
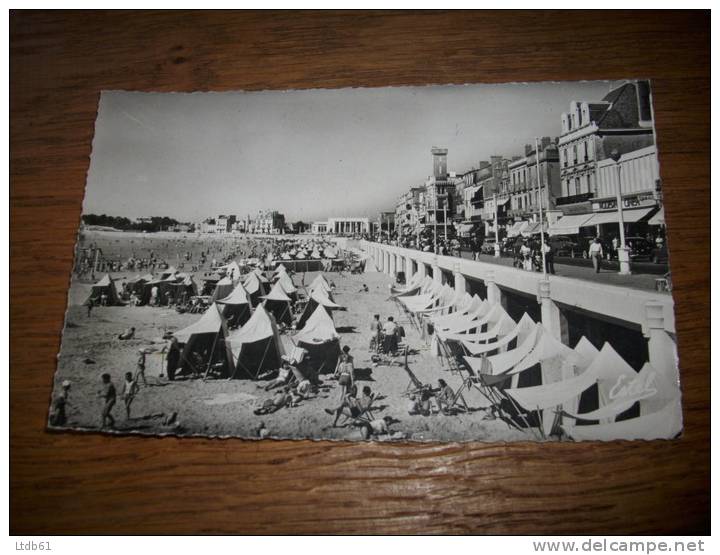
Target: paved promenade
643,281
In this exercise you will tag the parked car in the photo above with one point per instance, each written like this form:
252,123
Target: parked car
565,246
640,248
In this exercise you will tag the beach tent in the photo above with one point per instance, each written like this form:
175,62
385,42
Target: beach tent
260,275
256,346
475,324
170,271
135,285
204,344
184,289
447,322
319,283
235,308
232,270
278,304
254,287
320,339
223,288
505,342
280,269
106,287
287,285
317,298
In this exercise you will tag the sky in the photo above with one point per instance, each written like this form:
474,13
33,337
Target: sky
309,154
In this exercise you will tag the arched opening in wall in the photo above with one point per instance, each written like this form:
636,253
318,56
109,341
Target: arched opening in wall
476,287
429,271
448,278
413,267
517,304
625,337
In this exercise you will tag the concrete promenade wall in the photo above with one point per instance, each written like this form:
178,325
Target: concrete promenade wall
643,308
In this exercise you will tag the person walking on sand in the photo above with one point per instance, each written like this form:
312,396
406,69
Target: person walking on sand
345,371
596,253
130,389
109,396
58,416
140,372
375,333
90,305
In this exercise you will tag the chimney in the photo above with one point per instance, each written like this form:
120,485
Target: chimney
529,149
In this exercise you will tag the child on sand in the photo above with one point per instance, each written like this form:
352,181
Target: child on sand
108,395
130,389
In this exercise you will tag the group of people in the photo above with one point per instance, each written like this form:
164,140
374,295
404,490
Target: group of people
385,337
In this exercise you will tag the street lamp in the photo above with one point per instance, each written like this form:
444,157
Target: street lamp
497,236
623,255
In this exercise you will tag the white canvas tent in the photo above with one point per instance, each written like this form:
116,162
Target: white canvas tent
256,346
320,339
236,308
318,297
223,288
204,343
278,304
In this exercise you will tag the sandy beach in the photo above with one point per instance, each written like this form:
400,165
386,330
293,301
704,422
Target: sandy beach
224,408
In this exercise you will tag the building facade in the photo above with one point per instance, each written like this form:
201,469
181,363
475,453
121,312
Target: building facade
348,226
622,121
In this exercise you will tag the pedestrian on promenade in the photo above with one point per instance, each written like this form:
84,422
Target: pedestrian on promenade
596,253
549,258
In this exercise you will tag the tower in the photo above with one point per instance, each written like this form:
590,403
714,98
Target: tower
439,163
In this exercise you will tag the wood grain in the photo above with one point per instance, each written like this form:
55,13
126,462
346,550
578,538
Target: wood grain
64,483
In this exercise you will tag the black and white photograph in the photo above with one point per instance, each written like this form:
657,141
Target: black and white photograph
412,264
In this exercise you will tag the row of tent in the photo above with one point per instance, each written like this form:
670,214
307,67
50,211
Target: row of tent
589,393
169,285
256,344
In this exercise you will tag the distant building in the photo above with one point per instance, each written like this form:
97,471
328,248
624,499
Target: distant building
265,222
407,211
319,228
348,226
525,197
224,224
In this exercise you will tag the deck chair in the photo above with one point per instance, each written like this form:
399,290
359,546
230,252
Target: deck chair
365,416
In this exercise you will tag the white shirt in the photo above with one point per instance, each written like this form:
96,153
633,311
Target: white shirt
595,248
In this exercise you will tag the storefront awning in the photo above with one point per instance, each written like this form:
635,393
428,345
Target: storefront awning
532,229
629,216
659,218
569,225
464,229
503,202
518,228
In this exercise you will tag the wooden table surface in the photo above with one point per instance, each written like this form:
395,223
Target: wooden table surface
72,483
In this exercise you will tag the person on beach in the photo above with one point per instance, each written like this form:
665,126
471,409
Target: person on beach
109,396
375,333
284,374
348,406
127,334
140,372
445,397
129,390
345,371
390,340
90,305
173,357
58,416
